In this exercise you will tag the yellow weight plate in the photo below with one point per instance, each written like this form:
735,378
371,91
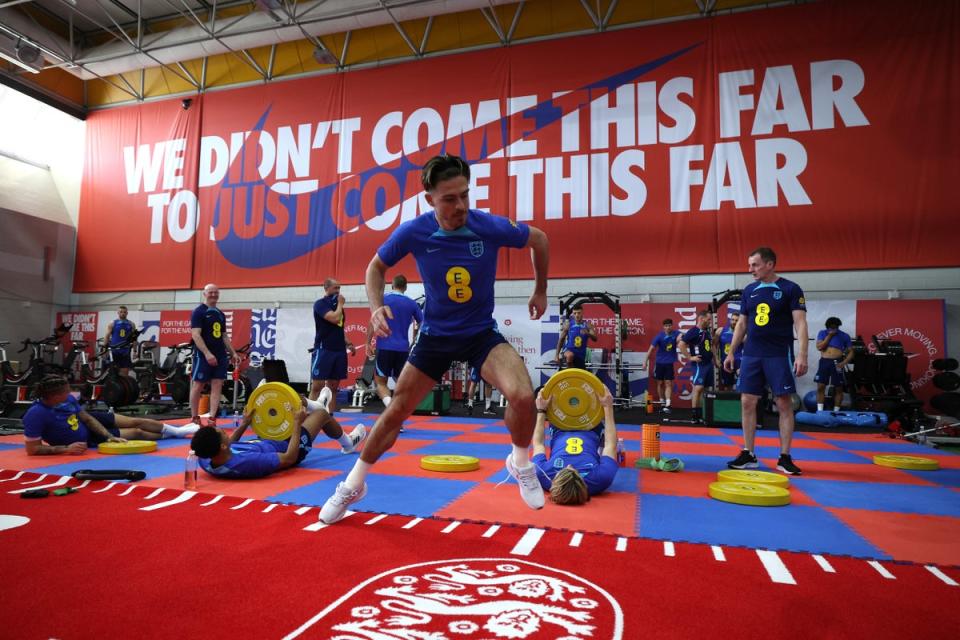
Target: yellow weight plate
753,477
274,406
450,464
750,493
576,400
907,462
130,446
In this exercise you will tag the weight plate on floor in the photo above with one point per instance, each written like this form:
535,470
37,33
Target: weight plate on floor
750,493
907,462
753,477
130,446
274,406
576,400
450,464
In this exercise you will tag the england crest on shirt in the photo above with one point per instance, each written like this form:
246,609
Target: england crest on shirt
777,295
476,248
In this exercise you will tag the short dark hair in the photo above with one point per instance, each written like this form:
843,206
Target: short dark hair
440,168
667,321
703,312
400,282
50,384
206,442
123,306
766,254
833,322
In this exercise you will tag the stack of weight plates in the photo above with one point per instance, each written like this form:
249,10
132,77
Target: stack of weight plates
754,488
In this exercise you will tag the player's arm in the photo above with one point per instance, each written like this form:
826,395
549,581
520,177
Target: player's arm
37,448
540,257
230,350
800,326
201,346
684,349
646,362
335,316
563,338
539,439
739,331
94,425
822,344
609,425
106,337
239,431
374,282
289,457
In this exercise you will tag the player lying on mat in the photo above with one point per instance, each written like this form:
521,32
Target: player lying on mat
581,463
57,418
225,456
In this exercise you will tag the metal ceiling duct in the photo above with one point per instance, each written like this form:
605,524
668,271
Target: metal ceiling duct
256,29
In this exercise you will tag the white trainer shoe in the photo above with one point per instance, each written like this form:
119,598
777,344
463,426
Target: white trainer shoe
358,435
530,489
336,505
324,398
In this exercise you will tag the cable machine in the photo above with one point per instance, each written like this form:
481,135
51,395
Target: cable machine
569,301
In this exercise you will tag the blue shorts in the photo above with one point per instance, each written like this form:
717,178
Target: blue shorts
663,371
702,374
305,446
433,354
203,372
121,359
390,363
109,421
328,365
827,373
579,359
776,373
729,378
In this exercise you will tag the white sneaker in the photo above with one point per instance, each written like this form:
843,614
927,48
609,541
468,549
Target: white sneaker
324,398
358,435
530,489
336,505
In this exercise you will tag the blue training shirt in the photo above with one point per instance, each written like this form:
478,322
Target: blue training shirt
840,340
404,312
329,335
120,334
577,338
666,345
59,425
726,339
769,307
580,450
698,342
250,459
458,268
213,326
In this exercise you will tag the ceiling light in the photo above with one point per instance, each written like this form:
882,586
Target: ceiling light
14,60
323,56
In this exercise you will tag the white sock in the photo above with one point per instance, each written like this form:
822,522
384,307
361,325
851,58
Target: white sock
486,403
387,400
819,406
313,405
345,441
521,457
668,403
170,431
358,475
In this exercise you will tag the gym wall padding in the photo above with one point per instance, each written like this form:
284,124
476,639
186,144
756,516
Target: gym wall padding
694,140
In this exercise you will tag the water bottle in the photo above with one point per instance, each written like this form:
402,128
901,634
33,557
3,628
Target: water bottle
190,472
236,419
621,453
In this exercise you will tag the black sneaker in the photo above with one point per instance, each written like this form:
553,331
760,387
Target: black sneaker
665,410
489,411
470,408
745,460
785,464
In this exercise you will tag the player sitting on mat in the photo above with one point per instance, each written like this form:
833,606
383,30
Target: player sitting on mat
581,463
225,456
58,419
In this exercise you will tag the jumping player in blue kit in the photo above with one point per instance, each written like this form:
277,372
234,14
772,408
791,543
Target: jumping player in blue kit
120,332
391,351
772,309
696,348
581,463
456,249
835,350
212,352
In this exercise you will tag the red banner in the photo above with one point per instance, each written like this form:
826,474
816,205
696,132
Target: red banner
673,148
174,328
83,329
